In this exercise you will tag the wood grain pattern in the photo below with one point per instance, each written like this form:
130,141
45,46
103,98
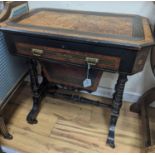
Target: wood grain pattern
150,149
81,22
71,76
67,127
113,29
140,60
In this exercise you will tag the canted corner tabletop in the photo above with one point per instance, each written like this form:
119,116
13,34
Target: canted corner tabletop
73,48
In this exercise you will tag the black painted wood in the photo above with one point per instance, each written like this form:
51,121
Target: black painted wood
38,91
117,103
127,56
31,118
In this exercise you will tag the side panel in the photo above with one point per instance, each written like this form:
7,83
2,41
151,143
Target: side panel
140,60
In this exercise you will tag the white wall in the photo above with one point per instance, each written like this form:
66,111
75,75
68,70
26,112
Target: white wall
138,83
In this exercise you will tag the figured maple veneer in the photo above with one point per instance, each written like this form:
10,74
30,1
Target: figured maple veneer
115,29
81,23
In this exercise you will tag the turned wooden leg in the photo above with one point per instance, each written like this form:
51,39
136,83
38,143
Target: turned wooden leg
4,130
37,91
117,103
31,118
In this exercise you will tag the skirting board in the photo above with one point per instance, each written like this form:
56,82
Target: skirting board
127,96
108,92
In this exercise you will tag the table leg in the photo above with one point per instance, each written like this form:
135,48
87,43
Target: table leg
31,118
117,103
37,90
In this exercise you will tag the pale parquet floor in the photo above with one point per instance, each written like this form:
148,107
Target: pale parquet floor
67,127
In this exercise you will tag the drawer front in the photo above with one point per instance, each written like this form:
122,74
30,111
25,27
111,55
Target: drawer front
71,56
70,75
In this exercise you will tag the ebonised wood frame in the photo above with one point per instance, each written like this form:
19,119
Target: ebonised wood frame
129,57
40,89
124,70
117,103
132,53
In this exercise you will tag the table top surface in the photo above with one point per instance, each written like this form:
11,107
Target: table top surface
120,29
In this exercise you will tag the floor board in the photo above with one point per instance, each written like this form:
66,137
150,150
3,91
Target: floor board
67,127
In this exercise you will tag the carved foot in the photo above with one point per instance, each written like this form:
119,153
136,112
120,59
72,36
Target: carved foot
4,130
110,142
111,135
31,118
8,136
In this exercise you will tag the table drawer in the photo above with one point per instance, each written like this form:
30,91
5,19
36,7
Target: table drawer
71,56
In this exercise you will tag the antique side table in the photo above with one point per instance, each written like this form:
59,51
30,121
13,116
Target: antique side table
75,47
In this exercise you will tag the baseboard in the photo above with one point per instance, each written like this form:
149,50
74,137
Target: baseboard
108,92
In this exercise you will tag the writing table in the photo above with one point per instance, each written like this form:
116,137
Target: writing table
75,47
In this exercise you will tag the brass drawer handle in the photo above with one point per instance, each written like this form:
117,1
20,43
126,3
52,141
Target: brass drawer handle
91,61
37,52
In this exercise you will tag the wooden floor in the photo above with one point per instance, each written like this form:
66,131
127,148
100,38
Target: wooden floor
67,127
